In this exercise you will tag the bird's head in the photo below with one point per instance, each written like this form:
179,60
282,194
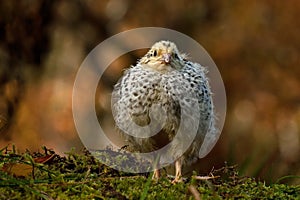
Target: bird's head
163,56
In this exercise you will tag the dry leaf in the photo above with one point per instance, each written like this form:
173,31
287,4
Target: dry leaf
44,159
23,169
18,169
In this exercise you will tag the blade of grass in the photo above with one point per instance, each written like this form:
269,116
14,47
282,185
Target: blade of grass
147,186
286,177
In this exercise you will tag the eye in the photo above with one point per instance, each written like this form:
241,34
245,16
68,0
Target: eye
155,53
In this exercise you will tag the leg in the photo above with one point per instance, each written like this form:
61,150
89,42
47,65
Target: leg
178,177
156,174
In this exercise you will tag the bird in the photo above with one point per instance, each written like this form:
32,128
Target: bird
159,89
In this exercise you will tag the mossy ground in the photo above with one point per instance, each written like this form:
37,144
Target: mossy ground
79,176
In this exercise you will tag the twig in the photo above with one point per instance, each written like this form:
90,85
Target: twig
194,192
205,177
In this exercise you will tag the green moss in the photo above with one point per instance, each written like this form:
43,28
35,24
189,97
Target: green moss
80,176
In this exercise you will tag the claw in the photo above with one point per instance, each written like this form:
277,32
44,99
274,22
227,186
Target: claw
177,180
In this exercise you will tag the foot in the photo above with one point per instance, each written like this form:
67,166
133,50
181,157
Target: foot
156,174
177,180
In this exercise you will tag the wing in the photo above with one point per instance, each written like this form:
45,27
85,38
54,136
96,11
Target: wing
195,94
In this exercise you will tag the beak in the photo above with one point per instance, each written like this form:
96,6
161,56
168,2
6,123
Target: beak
167,58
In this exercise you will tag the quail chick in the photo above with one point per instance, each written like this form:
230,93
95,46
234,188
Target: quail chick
162,87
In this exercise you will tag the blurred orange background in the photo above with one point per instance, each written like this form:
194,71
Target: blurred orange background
255,44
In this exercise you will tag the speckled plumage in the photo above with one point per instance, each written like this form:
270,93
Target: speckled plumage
173,86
